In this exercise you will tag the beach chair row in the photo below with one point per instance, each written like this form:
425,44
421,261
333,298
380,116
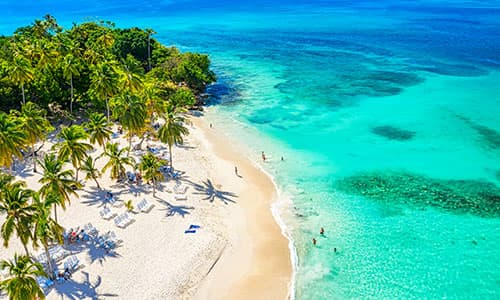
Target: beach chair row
56,253
123,220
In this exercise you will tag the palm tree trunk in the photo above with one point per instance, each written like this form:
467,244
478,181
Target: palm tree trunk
76,174
55,213
71,101
24,241
22,91
49,260
149,51
26,249
129,143
107,108
139,146
170,152
33,157
97,183
154,187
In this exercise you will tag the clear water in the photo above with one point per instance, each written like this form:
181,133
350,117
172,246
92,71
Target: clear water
375,89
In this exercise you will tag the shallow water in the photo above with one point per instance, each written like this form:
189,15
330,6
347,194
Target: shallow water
405,93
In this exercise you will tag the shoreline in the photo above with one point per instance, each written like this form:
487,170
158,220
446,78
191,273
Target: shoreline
241,251
267,270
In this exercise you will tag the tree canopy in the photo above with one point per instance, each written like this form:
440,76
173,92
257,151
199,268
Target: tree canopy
45,63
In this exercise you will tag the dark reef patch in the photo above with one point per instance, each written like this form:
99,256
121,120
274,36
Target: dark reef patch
479,198
490,138
393,133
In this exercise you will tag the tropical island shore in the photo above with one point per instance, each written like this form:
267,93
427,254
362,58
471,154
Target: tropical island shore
111,183
239,251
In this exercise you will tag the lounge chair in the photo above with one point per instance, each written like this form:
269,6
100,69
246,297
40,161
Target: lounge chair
90,230
72,263
123,220
180,197
180,189
192,226
107,214
189,231
144,206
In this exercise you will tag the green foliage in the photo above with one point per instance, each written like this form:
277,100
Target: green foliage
150,166
116,160
21,283
90,63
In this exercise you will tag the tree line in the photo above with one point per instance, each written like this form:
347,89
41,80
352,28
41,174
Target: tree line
96,73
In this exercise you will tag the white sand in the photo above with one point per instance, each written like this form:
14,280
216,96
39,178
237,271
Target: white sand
239,245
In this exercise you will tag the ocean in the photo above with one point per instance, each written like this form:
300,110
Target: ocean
387,117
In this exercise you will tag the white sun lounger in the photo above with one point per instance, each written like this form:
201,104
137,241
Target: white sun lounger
107,214
180,197
144,206
123,220
180,189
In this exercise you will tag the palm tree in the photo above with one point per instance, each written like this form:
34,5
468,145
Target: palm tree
20,72
173,129
70,70
12,138
150,166
130,74
104,83
97,127
72,146
117,160
91,171
149,32
22,284
46,229
130,110
35,125
15,203
57,182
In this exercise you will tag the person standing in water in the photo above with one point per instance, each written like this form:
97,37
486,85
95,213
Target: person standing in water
314,241
263,156
322,231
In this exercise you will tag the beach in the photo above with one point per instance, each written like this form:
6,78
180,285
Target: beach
238,250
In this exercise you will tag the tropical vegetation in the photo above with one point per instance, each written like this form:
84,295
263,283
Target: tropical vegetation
97,76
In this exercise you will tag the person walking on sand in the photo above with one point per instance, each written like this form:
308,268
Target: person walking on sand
263,156
236,170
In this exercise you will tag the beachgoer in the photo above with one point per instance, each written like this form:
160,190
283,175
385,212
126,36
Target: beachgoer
263,156
210,125
67,274
314,241
120,130
322,231
282,158
335,250
236,170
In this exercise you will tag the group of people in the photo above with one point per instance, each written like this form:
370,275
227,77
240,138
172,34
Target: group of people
322,233
75,236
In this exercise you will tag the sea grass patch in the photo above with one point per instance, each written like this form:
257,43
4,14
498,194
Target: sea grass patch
479,198
393,133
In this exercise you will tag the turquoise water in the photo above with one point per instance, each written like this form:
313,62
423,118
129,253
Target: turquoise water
386,114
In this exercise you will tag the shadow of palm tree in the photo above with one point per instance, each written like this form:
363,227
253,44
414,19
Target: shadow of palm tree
173,209
86,289
97,197
100,254
208,189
